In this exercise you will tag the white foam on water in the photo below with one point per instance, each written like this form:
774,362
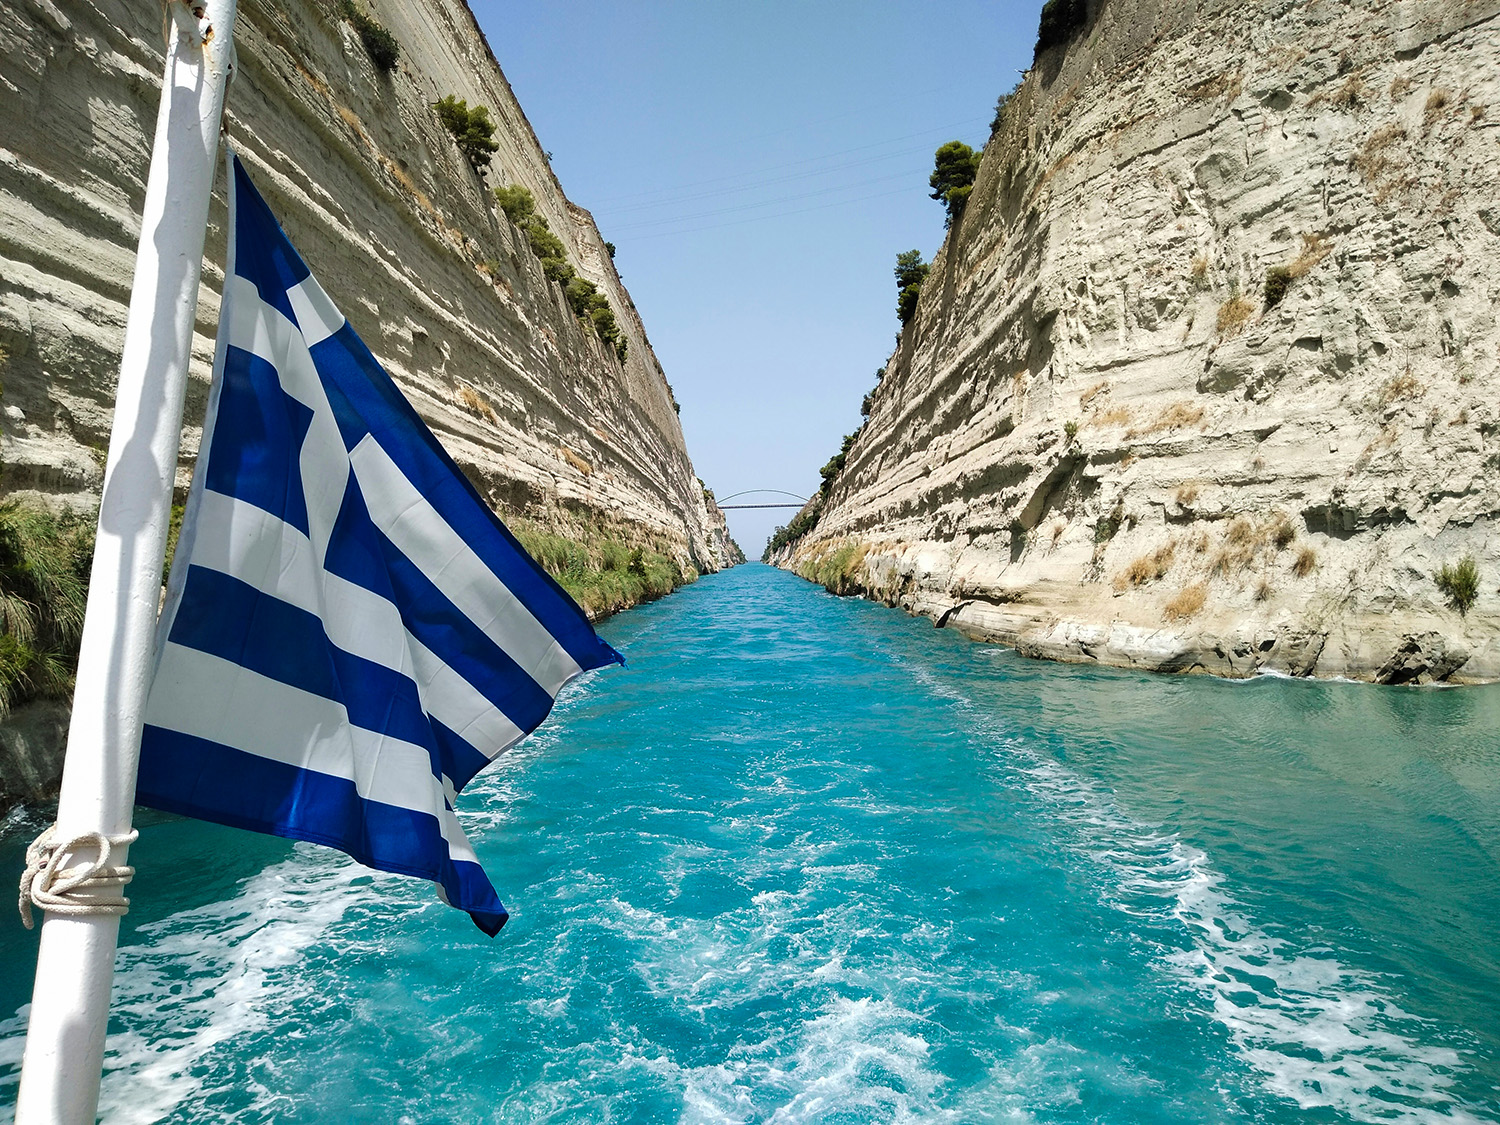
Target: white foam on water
205,977
1320,1033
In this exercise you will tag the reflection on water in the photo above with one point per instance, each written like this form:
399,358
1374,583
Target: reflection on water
811,860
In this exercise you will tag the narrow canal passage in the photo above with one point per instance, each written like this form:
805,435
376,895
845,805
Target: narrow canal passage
811,860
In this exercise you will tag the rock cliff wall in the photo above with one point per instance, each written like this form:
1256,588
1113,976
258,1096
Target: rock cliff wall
1207,377
544,417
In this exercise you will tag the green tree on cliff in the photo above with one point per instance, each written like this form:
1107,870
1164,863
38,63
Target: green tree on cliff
472,129
956,166
1061,21
911,271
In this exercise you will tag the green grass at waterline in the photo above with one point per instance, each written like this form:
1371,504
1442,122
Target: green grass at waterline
603,573
44,569
835,570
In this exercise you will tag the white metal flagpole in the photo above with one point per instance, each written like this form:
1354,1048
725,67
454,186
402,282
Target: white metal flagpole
75,963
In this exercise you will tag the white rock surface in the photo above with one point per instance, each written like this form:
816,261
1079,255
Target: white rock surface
387,212
546,421
1080,436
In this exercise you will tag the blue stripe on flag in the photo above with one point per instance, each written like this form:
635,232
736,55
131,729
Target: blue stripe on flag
259,432
224,617
359,553
262,254
198,778
366,400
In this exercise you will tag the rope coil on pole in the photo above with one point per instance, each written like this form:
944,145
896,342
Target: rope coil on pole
46,883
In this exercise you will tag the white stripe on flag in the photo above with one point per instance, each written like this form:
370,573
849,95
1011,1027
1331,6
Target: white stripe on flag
264,331
223,702
450,564
248,543
316,313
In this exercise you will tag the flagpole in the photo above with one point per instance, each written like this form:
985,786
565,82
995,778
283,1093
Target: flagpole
60,1072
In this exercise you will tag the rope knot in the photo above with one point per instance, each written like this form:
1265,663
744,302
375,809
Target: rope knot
55,888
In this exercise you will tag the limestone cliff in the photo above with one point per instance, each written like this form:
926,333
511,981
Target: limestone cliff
545,418
1207,376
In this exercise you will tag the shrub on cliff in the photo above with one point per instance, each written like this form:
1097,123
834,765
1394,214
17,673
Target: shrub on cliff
588,304
835,464
472,130
593,308
1061,21
1459,584
955,167
517,202
801,524
911,272
1278,281
380,44
44,570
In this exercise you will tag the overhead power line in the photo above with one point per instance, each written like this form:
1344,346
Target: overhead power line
742,177
776,215
646,224
757,185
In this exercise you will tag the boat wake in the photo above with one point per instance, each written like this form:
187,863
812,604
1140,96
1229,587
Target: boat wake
1316,1031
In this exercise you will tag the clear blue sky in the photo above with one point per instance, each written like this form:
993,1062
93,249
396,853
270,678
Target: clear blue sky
759,166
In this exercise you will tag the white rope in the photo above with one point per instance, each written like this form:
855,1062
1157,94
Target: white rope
46,883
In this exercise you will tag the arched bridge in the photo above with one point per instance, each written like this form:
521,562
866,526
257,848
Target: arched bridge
723,507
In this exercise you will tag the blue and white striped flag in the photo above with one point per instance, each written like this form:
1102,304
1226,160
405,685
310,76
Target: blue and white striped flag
350,634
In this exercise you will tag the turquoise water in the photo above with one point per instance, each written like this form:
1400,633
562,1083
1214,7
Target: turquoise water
811,860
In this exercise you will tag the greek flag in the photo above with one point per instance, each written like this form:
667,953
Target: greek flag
350,634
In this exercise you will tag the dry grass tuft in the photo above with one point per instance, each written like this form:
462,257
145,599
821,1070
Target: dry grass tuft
1307,560
469,399
1374,160
576,461
1437,101
1148,568
1404,386
1226,85
1351,94
1476,114
1263,589
1088,396
1234,314
1247,542
1188,601
1185,495
409,185
1198,271
1387,437
1174,417
1399,85
1315,247
1241,533
1281,531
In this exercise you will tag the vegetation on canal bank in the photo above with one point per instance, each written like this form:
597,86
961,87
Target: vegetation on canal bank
835,570
601,571
44,571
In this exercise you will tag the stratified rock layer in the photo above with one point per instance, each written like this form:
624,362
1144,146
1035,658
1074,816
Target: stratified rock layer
403,233
1103,437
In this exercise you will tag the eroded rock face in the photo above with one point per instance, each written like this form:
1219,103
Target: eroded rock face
402,232
1208,376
